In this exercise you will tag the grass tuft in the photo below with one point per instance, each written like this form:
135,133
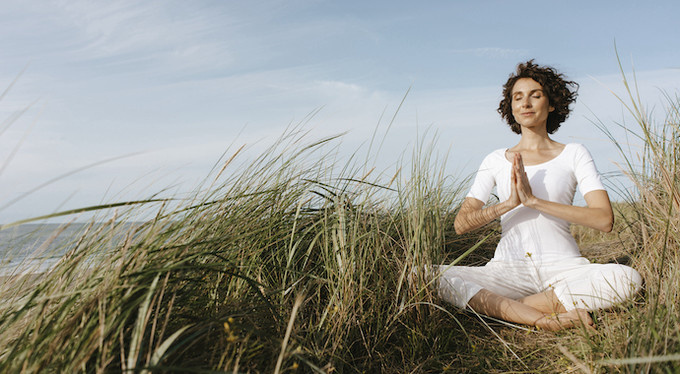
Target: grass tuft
295,262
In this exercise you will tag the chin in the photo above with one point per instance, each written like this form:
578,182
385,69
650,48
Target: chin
533,126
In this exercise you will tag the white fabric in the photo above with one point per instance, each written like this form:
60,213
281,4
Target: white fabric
537,251
576,282
528,231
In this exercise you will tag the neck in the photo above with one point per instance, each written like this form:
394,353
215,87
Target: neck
533,138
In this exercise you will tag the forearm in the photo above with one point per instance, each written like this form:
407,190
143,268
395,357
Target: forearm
469,219
599,218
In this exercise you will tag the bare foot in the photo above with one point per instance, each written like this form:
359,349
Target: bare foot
572,318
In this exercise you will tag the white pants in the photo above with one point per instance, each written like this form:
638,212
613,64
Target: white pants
576,282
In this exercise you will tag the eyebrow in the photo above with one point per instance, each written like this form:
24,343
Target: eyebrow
530,92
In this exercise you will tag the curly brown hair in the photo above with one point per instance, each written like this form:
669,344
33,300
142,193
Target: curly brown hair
560,92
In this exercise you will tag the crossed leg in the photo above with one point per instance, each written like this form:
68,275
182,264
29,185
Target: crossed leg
543,310
591,286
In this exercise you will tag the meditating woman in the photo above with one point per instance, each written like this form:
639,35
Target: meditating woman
537,275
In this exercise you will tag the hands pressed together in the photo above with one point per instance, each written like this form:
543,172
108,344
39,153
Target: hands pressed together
598,213
520,189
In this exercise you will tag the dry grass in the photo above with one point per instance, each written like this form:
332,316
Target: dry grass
293,263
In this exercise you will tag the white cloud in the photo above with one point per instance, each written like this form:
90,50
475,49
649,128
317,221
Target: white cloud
178,80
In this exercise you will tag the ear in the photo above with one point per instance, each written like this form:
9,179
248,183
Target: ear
551,108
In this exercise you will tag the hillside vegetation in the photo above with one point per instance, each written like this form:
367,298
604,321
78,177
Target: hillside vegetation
294,263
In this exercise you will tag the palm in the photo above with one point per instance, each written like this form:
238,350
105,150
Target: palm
514,198
520,180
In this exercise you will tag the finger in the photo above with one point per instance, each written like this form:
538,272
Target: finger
521,180
520,175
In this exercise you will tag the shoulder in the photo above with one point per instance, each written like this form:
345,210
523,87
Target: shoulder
578,156
578,147
576,150
493,163
497,157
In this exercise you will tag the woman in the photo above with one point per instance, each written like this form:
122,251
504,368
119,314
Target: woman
537,275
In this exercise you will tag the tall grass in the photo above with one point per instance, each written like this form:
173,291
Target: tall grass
646,337
296,262
289,262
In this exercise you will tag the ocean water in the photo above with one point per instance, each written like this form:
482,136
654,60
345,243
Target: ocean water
33,248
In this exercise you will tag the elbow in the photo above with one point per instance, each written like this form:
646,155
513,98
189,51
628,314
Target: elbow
459,227
608,224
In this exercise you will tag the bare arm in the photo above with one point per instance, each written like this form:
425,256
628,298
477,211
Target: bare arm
472,214
598,213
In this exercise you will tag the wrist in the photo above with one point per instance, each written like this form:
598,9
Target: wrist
508,205
532,202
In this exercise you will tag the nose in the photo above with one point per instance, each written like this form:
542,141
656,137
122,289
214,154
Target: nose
526,102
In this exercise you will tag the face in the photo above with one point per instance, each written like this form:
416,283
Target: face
530,105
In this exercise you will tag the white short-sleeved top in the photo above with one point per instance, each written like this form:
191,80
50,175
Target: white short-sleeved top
528,233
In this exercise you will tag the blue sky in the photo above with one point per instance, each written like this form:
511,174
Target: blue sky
179,81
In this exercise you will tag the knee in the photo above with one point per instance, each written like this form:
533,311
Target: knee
628,279
609,285
456,289
622,281
453,290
